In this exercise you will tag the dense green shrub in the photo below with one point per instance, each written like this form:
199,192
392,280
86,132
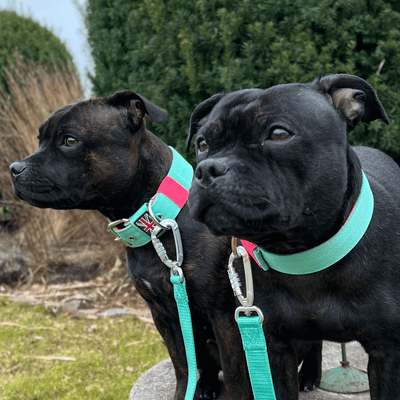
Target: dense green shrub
179,52
32,41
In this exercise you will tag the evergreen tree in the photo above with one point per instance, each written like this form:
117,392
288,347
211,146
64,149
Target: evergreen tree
179,52
31,41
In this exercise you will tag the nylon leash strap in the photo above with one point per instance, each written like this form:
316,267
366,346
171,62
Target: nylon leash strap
251,330
182,302
255,348
148,224
307,262
185,319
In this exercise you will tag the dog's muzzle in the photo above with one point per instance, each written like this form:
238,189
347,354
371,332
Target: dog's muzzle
210,170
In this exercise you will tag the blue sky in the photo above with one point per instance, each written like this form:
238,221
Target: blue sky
62,18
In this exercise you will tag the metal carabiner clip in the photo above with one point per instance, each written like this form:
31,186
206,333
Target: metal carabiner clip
159,247
246,302
171,224
242,253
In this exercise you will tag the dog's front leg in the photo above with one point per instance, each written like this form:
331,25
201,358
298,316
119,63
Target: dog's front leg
233,360
283,363
384,373
169,329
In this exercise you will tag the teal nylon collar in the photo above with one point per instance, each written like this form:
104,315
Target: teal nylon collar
137,231
331,251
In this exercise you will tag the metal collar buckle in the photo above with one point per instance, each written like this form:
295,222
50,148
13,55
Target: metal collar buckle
246,302
159,247
113,224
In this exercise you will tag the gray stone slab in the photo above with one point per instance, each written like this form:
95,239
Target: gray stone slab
158,383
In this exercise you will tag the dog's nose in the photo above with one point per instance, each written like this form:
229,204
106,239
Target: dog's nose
209,170
16,168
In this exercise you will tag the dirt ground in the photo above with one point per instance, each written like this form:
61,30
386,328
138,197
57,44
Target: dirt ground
74,284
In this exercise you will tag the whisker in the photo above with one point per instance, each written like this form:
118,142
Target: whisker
101,195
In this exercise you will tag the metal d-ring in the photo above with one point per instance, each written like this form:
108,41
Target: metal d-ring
234,246
175,270
153,217
248,311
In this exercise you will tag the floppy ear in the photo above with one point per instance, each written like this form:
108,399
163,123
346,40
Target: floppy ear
153,112
353,98
200,116
138,107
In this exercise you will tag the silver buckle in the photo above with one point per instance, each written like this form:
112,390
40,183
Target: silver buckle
115,223
112,225
247,311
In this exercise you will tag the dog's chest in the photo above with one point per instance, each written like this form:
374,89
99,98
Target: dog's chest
312,311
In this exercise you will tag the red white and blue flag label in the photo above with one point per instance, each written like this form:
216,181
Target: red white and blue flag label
146,223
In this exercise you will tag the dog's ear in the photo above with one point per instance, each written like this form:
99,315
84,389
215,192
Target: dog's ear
138,107
154,113
353,98
200,116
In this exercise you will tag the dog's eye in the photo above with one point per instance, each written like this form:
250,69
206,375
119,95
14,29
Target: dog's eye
279,134
70,141
202,146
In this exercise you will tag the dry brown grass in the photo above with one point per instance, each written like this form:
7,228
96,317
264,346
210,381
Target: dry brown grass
37,91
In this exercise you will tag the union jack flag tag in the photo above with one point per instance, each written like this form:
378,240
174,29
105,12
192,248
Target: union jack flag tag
146,223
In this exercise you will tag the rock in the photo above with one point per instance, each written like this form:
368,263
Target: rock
158,383
13,267
116,312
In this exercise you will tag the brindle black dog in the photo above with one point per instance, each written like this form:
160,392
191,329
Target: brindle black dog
275,168
97,154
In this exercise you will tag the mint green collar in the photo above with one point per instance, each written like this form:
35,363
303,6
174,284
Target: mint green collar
167,202
330,252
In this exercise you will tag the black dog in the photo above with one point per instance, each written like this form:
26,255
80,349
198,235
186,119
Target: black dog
275,168
98,154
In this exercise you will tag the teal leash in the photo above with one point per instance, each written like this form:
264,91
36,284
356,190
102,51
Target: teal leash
255,349
251,330
185,319
182,302
148,224
307,262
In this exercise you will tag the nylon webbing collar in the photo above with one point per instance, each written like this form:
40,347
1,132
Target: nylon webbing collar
171,196
328,253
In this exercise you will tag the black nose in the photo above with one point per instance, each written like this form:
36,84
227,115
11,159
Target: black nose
209,170
16,168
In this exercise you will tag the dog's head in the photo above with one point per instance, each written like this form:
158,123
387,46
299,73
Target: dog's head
269,160
85,151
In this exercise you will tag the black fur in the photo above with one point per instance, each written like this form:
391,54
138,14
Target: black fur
115,167
275,168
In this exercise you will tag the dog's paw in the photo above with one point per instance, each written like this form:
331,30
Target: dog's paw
208,389
311,369
308,382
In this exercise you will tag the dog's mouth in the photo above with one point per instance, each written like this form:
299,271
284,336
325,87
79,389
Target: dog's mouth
235,216
220,221
32,192
41,196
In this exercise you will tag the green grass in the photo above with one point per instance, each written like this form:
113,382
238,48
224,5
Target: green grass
5,213
110,354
